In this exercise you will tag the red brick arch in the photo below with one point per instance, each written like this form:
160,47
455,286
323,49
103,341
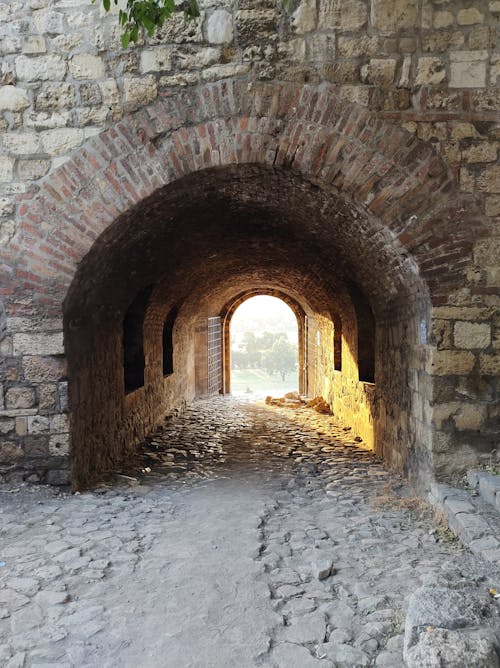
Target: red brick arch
386,172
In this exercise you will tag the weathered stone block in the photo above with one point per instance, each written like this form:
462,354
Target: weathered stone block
471,335
34,45
9,452
254,25
483,152
390,16
61,141
489,180
430,71
457,506
202,58
62,389
43,369
224,71
44,68
20,397
341,72
304,17
344,16
86,66
59,444
139,91
13,98
443,412
356,46
490,364
487,99
451,363
444,647
492,207
90,94
442,19
110,92
158,59
45,120
379,71
469,417
320,48
55,96
468,69
489,487
459,312
21,426
441,40
21,143
6,207
220,27
30,170
38,344
7,231
49,21
47,397
6,168
59,424
179,31
37,424
7,425
469,16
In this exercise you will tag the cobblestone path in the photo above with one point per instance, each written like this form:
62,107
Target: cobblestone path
245,536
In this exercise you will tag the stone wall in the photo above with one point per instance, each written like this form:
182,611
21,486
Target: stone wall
432,67
410,93
353,402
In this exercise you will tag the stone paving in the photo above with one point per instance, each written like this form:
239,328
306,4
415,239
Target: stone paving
242,536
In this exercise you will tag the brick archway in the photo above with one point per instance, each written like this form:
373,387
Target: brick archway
392,176
411,233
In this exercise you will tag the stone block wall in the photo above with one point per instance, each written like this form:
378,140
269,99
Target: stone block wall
76,111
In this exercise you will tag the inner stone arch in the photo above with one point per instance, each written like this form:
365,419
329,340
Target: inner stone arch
230,309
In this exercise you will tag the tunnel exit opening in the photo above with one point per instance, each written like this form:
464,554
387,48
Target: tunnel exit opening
264,344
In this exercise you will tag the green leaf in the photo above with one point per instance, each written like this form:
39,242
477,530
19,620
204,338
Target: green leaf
192,10
149,25
125,39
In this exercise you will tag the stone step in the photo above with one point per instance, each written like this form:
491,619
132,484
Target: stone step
487,485
475,522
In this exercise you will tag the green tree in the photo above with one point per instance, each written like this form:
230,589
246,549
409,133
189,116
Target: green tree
250,346
238,359
281,358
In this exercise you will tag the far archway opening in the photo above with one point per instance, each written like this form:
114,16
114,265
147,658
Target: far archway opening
264,348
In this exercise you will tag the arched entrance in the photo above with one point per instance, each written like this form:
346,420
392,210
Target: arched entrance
331,204
227,315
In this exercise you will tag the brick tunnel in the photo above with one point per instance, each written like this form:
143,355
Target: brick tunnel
158,228
188,269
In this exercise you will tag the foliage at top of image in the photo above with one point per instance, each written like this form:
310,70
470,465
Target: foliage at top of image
148,15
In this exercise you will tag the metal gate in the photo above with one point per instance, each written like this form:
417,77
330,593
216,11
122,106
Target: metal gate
214,355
